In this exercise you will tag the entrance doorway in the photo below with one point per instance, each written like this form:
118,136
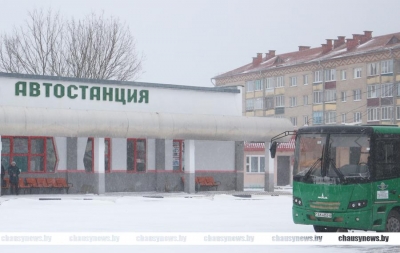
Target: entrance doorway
283,170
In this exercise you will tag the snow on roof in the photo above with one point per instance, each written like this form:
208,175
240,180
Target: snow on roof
384,42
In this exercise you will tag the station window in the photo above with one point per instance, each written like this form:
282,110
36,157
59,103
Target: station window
32,154
178,155
89,154
136,155
255,164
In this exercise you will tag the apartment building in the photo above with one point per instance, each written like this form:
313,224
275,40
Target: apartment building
345,81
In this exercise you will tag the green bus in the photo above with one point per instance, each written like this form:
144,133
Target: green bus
347,178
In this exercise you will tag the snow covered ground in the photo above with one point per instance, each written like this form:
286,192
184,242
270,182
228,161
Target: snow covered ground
174,212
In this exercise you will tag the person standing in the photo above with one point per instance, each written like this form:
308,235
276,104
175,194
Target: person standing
13,172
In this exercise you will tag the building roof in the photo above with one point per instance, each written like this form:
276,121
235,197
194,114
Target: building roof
333,49
260,146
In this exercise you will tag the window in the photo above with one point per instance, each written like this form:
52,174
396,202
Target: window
279,82
372,114
330,96
343,118
259,103
357,95
249,104
357,73
318,97
386,67
178,155
305,100
293,101
305,79
343,96
280,101
387,90
269,103
344,75
293,81
305,120
269,83
317,76
373,91
293,120
387,113
136,155
330,74
373,69
398,112
255,164
357,117
257,85
107,154
317,118
249,86
330,117
32,154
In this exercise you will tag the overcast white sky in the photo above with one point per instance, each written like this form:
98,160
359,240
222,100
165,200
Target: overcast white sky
189,42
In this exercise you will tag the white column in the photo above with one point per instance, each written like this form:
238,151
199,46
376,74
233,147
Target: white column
269,170
98,165
189,167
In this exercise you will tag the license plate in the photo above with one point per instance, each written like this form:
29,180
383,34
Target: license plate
323,215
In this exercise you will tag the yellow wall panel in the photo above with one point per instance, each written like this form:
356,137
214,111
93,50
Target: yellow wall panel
317,87
250,95
330,107
259,113
317,108
387,79
269,112
259,94
373,80
279,91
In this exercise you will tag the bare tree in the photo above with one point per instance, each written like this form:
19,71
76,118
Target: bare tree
94,47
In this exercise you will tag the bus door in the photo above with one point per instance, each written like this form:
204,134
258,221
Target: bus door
386,187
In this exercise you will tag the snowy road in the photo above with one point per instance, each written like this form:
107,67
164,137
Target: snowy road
173,213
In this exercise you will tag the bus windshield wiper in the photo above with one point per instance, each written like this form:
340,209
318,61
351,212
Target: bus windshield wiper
338,172
312,168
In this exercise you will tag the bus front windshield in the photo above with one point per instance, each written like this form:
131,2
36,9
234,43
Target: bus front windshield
331,158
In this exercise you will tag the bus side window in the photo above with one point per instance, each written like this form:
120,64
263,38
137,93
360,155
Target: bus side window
387,159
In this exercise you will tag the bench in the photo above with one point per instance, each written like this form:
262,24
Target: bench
47,183
24,186
207,182
204,182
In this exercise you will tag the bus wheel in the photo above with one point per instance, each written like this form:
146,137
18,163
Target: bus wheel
393,222
324,229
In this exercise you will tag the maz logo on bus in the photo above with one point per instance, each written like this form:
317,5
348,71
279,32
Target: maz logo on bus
322,196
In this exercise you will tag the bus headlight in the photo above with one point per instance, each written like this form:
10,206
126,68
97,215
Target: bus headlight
357,204
297,201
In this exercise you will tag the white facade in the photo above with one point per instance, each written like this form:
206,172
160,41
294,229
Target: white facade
140,120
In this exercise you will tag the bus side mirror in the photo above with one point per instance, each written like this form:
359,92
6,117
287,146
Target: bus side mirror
272,149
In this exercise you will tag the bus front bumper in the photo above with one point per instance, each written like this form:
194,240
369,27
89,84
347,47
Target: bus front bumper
360,220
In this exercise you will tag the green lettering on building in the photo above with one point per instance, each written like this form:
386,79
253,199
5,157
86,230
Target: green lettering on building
59,91
47,85
95,93
132,96
34,89
144,96
83,88
107,93
120,95
69,91
20,88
